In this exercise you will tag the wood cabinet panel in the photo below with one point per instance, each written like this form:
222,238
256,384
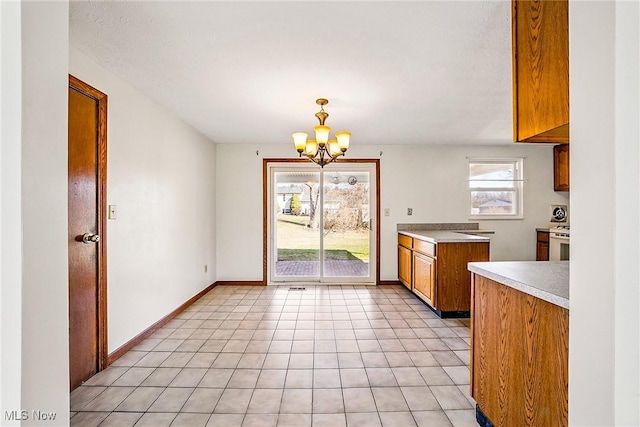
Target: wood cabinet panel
542,236
427,248
519,356
424,277
405,241
540,39
542,246
452,274
542,251
442,281
561,167
404,266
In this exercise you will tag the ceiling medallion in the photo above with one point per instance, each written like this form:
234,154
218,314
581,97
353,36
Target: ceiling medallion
322,150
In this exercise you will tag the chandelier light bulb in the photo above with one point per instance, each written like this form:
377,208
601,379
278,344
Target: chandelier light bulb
322,134
343,138
300,141
334,150
311,148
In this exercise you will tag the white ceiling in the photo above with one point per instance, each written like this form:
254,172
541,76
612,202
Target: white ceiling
249,72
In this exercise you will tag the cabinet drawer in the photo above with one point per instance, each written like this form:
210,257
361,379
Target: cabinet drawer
405,241
424,247
543,236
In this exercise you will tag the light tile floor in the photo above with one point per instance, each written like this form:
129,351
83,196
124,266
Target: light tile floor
270,356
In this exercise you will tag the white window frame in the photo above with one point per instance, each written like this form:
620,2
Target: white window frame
517,186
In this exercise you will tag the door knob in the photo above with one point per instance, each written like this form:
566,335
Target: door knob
90,238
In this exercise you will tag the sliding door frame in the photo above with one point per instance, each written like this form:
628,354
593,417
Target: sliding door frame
265,206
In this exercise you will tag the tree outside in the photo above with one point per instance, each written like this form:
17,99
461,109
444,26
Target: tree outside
295,205
346,224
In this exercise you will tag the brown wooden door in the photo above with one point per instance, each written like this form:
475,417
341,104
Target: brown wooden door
86,264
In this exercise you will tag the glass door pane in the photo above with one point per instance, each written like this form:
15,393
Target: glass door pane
297,246
346,224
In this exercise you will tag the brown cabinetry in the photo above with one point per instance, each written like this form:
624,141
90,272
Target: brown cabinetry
424,277
519,357
540,38
437,272
542,246
404,265
561,167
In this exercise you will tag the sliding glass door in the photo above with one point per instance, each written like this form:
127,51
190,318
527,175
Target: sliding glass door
296,241
321,223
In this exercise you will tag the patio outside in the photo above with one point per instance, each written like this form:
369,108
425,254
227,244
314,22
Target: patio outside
346,252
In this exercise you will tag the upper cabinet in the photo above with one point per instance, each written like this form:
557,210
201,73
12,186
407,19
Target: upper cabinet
540,70
561,167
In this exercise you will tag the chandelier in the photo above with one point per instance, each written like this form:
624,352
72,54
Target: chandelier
321,150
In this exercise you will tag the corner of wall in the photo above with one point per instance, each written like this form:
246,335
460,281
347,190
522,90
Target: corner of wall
10,210
45,67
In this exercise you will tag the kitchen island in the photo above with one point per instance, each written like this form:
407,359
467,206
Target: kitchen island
433,265
520,342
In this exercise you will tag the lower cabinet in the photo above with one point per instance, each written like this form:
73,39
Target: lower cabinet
519,357
542,246
437,272
404,265
424,277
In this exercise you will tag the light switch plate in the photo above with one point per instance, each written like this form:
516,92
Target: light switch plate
387,211
113,212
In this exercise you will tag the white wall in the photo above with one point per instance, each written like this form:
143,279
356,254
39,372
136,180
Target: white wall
430,179
10,208
604,323
45,376
161,177
627,236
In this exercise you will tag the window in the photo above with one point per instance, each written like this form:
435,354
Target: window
495,187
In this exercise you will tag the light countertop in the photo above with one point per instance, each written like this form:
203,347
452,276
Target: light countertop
448,236
547,280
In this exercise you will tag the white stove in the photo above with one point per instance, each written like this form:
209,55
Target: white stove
559,243
559,231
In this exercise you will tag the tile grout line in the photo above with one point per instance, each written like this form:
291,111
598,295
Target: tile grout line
342,308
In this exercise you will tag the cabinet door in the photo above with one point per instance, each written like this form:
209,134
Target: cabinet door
424,277
520,352
404,266
542,246
542,251
561,167
541,70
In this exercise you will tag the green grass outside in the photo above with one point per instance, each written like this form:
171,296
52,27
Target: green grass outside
298,242
294,219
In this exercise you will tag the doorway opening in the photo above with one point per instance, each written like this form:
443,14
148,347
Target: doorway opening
322,224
